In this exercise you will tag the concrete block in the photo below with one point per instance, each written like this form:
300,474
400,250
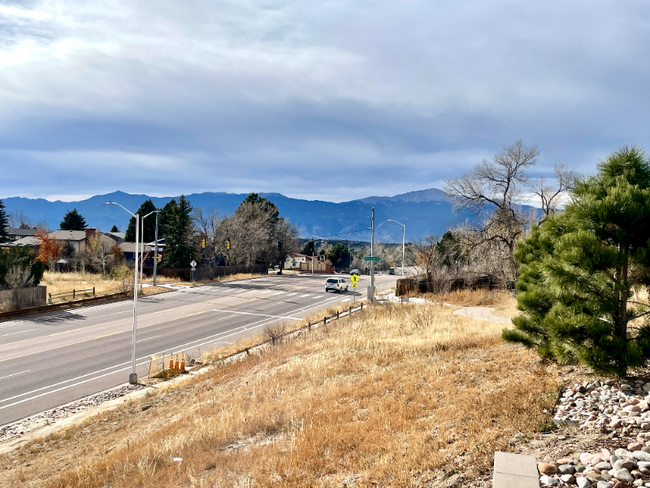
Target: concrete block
514,470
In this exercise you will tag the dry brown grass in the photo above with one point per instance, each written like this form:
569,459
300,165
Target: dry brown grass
393,396
66,282
503,302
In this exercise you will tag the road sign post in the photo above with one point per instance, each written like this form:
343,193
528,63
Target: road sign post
354,279
193,264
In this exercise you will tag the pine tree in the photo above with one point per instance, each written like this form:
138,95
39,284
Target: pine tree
149,233
339,256
114,228
73,221
180,248
580,271
4,224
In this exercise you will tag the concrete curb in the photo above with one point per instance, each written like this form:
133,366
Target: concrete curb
514,471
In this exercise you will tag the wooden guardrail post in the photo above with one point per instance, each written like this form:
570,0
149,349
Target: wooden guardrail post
324,320
337,315
93,291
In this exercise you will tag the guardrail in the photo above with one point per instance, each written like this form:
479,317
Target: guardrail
73,293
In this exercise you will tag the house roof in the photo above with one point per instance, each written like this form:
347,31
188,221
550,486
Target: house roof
25,241
21,232
69,235
118,236
130,247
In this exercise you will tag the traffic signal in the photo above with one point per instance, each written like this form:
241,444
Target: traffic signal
159,257
280,246
203,244
228,244
311,247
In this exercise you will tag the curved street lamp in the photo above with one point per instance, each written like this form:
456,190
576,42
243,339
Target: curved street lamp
133,377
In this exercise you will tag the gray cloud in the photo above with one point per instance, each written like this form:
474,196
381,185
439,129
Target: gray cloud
329,100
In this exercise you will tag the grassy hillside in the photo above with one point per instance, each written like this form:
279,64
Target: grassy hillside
396,395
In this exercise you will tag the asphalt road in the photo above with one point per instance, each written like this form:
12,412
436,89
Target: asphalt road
51,359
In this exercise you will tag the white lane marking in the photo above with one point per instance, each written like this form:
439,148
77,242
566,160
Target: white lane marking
146,359
318,296
266,291
256,314
303,296
57,384
147,339
64,387
346,300
279,293
15,374
224,318
14,333
291,294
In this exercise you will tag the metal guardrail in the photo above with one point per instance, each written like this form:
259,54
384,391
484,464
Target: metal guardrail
279,337
73,293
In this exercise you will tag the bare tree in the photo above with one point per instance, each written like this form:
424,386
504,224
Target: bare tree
18,220
493,189
550,196
100,250
425,249
254,235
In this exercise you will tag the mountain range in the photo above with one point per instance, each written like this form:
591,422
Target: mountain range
423,212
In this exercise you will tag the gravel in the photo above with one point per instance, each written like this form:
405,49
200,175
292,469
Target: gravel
620,410
24,426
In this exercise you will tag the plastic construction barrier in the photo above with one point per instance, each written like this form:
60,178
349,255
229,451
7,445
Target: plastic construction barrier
174,362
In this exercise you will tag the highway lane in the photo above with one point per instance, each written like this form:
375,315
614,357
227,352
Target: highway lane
51,359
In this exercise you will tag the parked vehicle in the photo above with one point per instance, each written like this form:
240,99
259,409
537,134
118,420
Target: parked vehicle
336,284
391,271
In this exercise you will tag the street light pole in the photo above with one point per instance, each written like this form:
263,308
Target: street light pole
403,242
155,252
371,288
156,247
133,377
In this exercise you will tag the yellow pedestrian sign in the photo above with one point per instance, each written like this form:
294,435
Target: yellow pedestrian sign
354,278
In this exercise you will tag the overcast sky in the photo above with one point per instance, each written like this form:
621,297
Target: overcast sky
331,100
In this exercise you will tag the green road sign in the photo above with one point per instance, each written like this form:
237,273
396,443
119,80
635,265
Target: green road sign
371,258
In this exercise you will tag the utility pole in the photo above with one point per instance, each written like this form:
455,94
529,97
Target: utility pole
371,288
155,257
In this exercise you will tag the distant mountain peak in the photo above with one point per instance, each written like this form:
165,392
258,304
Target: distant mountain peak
418,196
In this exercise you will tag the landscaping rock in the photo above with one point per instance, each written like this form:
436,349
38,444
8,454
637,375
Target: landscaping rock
549,481
583,482
566,469
548,469
641,455
623,475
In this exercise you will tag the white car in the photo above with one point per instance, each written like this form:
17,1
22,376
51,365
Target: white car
336,284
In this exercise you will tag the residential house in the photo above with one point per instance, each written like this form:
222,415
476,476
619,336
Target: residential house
16,234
